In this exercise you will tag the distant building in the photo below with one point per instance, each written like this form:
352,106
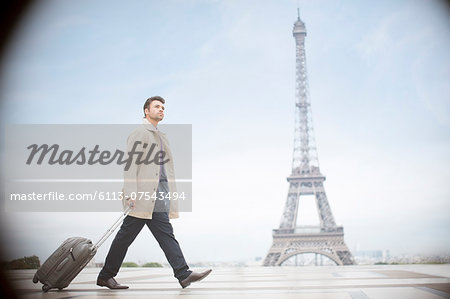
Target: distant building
372,256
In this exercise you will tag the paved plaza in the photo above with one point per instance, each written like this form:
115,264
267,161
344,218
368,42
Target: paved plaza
358,282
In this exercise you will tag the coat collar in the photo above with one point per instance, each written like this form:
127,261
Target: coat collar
149,126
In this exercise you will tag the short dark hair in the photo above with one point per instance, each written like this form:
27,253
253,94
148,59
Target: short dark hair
151,99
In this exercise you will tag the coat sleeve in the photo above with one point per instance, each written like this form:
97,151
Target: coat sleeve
131,168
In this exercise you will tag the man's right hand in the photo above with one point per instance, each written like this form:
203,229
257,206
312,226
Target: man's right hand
131,203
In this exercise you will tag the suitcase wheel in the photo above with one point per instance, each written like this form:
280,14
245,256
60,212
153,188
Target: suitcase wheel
35,279
46,288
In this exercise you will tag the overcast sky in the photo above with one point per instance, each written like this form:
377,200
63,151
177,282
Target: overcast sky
379,84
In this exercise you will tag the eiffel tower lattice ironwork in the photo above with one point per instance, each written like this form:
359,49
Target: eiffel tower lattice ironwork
306,179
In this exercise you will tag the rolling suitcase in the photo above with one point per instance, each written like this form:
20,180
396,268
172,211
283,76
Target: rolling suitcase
70,258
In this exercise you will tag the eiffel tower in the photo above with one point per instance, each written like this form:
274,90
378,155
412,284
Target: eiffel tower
290,240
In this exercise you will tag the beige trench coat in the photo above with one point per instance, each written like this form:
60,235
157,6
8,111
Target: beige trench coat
141,180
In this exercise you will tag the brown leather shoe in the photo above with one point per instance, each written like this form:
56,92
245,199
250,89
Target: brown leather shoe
111,284
193,277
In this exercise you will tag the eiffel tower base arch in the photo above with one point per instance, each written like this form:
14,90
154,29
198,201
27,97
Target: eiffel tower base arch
330,244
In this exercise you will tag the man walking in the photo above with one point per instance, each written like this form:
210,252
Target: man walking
153,181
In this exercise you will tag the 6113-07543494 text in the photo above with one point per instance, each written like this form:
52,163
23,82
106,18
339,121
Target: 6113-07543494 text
98,195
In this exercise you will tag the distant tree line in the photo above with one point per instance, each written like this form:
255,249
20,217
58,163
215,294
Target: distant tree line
32,262
27,262
148,265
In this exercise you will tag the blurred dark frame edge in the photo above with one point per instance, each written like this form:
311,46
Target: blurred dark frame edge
11,13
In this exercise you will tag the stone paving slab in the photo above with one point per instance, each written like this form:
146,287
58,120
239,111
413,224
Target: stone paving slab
357,282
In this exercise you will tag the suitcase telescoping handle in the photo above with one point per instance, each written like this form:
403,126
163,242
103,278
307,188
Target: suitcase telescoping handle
111,229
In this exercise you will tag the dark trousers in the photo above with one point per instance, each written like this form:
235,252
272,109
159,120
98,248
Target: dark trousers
161,229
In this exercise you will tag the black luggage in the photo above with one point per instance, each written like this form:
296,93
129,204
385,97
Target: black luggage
70,258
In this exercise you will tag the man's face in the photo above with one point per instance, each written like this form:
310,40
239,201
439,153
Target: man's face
156,111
